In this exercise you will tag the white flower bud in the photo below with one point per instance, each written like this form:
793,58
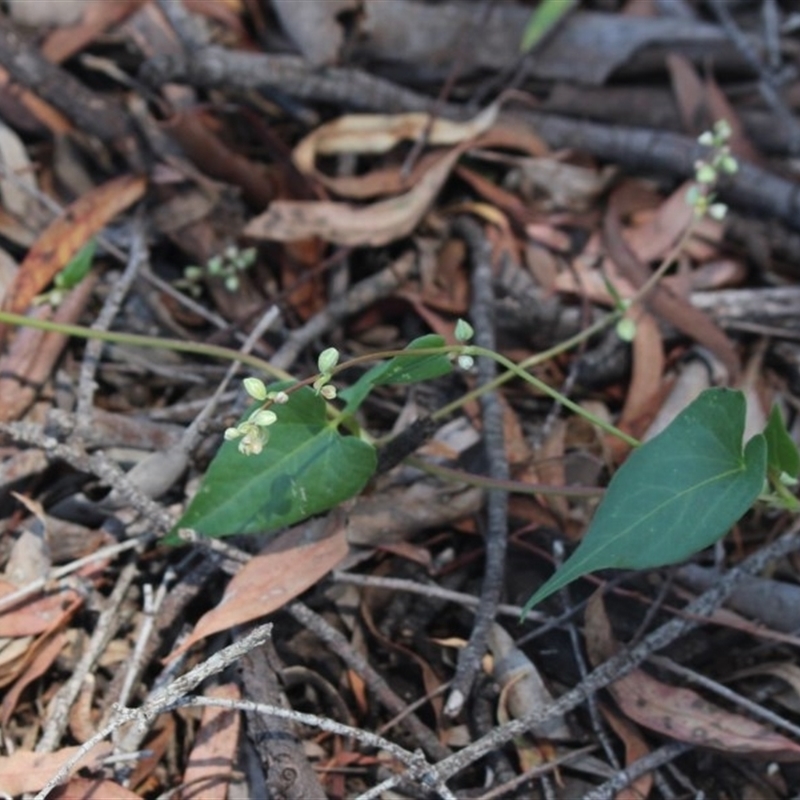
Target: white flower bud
327,360
263,417
464,331
255,388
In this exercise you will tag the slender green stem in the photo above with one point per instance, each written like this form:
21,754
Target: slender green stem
229,354
529,362
606,322
139,340
512,370
520,372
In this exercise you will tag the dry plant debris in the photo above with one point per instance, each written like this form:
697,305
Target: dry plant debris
265,180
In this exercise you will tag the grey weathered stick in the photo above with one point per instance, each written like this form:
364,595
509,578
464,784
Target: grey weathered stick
87,385
365,292
288,773
376,684
496,538
105,629
161,701
751,188
625,777
621,664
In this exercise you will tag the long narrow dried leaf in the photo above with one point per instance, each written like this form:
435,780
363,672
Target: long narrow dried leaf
287,567
351,226
681,713
24,771
648,369
44,653
635,748
33,354
208,773
65,236
92,789
379,133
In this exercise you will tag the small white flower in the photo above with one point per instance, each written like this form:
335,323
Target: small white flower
722,129
253,439
466,362
717,211
251,445
328,391
729,165
706,138
705,173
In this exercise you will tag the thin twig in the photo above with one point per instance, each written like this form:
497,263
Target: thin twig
364,293
767,85
97,464
728,694
163,700
496,499
137,661
107,625
642,766
87,385
537,771
58,573
469,29
621,664
419,769
432,590
577,653
382,691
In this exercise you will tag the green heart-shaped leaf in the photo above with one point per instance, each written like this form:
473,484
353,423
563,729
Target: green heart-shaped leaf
782,455
675,495
305,468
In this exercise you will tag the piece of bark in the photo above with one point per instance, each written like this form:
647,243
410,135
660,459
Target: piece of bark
648,150
587,48
288,772
751,188
774,306
774,603
654,107
89,111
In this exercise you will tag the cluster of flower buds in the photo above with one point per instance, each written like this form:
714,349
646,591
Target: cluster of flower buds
707,171
253,433
463,333
227,265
